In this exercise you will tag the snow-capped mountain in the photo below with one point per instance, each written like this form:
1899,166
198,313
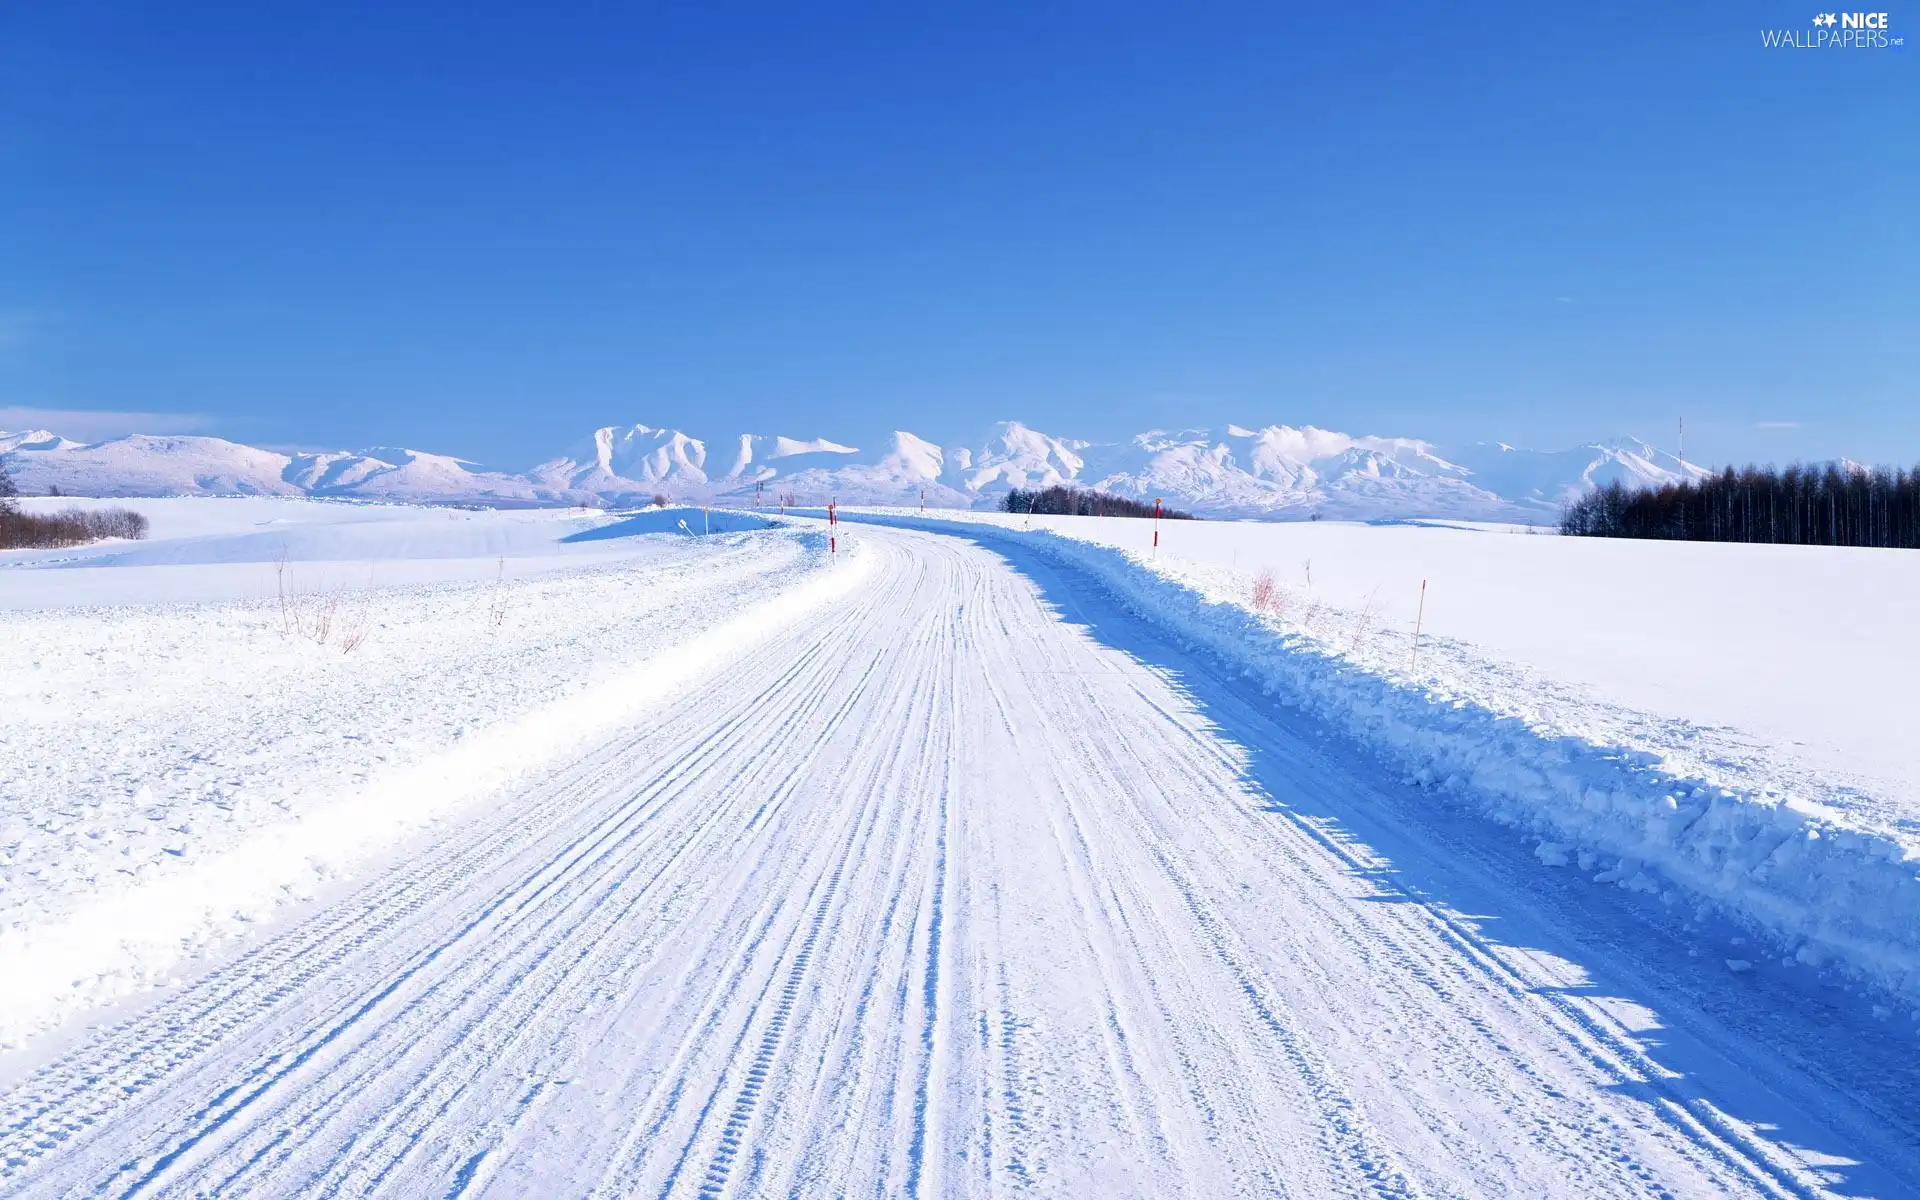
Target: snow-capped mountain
633,464
627,464
911,468
1276,471
34,439
1284,471
1550,478
1017,457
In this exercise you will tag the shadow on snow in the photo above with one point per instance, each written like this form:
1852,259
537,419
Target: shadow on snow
680,520
1761,1046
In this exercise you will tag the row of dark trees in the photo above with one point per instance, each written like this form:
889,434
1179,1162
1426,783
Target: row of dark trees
21,530
1820,505
1060,501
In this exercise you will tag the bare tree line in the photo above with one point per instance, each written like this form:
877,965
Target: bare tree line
1061,501
1831,504
21,530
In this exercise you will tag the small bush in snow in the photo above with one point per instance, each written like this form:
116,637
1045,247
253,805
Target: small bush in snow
1266,593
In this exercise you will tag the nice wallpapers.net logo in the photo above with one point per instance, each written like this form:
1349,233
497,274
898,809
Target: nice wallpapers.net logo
1837,31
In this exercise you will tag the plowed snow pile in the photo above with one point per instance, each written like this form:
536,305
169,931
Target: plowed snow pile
170,773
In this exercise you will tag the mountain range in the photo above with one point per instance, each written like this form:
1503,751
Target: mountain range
1275,472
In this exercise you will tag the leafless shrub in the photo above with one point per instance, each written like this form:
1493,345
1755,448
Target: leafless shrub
321,618
321,625
1363,623
1265,592
659,500
497,598
353,630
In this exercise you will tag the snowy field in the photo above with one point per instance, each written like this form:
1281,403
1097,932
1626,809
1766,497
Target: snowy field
203,549
971,862
346,674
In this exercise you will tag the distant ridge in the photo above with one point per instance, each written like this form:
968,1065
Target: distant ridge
1274,471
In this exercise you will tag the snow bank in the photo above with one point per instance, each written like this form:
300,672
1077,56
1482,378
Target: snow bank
171,774
1782,862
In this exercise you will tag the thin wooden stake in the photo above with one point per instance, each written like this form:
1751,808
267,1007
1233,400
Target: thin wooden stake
1419,617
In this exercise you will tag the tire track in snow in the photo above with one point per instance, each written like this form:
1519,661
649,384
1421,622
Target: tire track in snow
940,895
1763,1170
286,965
708,743
1611,1051
875,779
735,1129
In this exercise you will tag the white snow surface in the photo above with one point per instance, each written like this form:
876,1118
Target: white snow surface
1708,722
999,868
172,772
1274,471
228,549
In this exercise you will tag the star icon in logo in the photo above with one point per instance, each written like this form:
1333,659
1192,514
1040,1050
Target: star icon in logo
1826,20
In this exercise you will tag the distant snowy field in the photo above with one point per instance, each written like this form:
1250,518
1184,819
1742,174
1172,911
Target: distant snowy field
204,549
198,727
1730,719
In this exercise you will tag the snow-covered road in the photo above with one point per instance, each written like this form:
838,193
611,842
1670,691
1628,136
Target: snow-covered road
973,885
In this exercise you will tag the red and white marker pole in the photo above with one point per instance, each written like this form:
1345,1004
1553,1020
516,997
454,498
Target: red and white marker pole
833,522
1156,524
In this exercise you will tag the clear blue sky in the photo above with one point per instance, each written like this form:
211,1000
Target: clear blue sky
482,229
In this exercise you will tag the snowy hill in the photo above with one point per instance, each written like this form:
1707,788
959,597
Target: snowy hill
1549,478
1275,471
143,465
